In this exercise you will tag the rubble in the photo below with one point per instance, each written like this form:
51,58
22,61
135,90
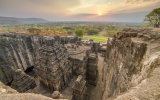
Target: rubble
78,55
57,95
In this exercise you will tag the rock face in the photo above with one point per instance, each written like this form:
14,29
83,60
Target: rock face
132,59
16,52
20,51
7,93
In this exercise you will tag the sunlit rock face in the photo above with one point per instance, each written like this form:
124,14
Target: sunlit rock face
132,60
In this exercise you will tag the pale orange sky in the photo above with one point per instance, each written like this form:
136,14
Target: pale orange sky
79,10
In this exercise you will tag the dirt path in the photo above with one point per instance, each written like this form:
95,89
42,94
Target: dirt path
96,93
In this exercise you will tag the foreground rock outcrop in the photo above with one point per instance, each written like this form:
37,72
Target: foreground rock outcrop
22,82
7,93
131,66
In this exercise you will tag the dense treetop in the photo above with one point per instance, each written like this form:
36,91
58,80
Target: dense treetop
153,18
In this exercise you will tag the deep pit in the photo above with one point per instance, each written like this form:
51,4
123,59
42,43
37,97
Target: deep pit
126,67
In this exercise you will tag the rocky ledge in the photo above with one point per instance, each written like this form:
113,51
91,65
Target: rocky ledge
7,93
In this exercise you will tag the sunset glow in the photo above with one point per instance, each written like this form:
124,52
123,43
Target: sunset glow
99,13
81,10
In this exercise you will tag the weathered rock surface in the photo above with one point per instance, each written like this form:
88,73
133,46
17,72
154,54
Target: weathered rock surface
53,69
131,65
22,82
16,52
7,93
6,89
20,51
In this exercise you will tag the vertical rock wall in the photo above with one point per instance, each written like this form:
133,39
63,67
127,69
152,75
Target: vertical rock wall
130,58
17,51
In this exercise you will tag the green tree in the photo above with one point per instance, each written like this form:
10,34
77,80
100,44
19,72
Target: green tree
69,32
93,31
34,30
79,32
54,29
153,18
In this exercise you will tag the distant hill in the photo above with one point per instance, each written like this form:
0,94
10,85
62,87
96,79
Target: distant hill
14,21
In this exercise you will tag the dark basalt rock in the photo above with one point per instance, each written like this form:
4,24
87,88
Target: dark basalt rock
53,69
79,89
18,51
22,82
55,60
130,57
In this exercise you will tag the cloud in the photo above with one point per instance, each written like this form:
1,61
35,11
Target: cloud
85,15
80,10
126,17
138,1
37,7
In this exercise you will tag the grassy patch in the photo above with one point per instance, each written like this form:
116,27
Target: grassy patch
102,33
101,39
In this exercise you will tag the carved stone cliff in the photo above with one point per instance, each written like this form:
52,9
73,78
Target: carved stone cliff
20,51
131,66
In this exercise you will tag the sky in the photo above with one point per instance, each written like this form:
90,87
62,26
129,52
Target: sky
79,10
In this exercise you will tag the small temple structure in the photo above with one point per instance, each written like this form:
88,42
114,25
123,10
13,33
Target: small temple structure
79,89
54,70
92,71
22,82
78,55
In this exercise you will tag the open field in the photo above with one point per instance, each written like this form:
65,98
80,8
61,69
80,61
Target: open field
101,39
102,33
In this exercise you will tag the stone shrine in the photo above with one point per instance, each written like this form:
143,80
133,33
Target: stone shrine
92,71
78,55
22,82
79,89
53,68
